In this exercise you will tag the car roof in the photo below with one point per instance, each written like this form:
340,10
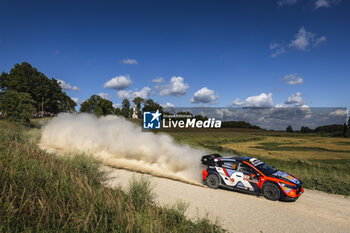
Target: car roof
234,158
253,161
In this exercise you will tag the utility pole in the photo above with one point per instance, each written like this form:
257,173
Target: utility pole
70,108
42,107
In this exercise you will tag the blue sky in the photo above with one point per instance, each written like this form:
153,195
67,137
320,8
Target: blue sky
208,53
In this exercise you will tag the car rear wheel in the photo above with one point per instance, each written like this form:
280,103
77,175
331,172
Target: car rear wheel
271,192
213,181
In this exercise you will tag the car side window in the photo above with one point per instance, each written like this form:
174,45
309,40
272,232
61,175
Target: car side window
245,168
228,164
234,166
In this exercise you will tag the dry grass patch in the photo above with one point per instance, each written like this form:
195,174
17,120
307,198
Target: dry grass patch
294,147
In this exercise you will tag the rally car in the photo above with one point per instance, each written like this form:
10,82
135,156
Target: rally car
250,175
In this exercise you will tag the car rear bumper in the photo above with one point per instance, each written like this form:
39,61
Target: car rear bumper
204,174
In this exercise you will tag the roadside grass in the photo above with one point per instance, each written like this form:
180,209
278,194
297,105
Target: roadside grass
322,163
38,122
40,192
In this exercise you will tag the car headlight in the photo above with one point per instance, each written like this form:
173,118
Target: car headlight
287,185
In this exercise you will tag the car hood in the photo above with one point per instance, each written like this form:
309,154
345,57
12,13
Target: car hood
285,176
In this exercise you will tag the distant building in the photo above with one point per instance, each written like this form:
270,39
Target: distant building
135,112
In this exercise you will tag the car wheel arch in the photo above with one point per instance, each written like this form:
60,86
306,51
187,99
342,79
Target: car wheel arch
219,177
218,182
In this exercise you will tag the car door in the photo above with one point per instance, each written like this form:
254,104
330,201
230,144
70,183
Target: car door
242,177
226,169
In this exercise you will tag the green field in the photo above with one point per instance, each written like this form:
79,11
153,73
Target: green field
322,163
40,192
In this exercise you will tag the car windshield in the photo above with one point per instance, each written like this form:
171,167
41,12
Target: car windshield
266,169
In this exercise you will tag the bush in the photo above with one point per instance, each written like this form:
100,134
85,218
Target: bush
17,106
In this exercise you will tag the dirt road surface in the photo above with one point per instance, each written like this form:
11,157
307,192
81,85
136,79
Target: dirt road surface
314,212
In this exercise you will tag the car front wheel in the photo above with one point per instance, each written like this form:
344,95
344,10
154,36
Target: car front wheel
213,181
271,192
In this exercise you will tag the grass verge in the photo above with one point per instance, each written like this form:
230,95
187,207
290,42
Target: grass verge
42,193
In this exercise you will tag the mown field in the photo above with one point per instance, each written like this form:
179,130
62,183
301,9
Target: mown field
40,192
322,163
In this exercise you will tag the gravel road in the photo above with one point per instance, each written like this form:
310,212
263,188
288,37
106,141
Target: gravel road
314,211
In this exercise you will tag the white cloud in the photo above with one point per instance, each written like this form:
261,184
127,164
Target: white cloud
158,80
176,87
325,3
124,94
168,105
277,48
205,96
293,79
319,41
67,86
262,100
75,99
118,83
339,112
304,39
322,3
116,105
128,94
104,95
295,100
129,61
286,2
224,112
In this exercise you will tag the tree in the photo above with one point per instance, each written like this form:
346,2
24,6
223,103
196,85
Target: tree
185,113
289,129
66,103
150,105
97,105
17,106
238,124
305,129
201,118
117,112
345,129
125,108
348,130
138,101
334,129
43,91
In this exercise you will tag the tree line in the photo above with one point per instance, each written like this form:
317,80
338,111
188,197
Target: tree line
335,130
102,107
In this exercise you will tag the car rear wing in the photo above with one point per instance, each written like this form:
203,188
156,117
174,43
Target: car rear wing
209,160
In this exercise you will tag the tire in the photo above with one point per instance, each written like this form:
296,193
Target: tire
213,181
271,192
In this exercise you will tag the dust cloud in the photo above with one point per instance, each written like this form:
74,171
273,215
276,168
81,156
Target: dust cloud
121,144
